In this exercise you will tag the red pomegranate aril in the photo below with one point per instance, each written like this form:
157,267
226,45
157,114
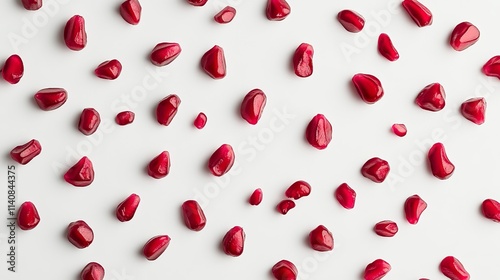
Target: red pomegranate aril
432,98
346,196
321,239
298,189
284,270
368,87
125,211
155,247
233,242
386,228
303,60
125,117
213,62
319,132
226,15
159,167
420,14
92,271
221,160
197,2
452,268
463,36
440,164
386,47
193,215
27,216
285,205
414,207
474,110
167,109
75,35
81,174
399,129
32,5
80,234
164,53
200,121
109,70
253,105
492,67
89,121
130,11
491,210
13,69
376,270
23,154
376,169
49,99
351,21
256,197
277,10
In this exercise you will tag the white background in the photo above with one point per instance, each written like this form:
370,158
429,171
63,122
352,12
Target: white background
258,54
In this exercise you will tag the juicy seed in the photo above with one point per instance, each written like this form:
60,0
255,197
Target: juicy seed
197,2
13,69
376,169
386,48
233,242
321,239
319,132
89,121
256,197
303,60
463,36
432,98
399,129
351,21
491,210
125,117
386,228
125,211
80,234
32,5
346,196
27,216
440,164
200,121
194,217
474,110
414,207
298,189
159,167
109,70
492,67
23,154
92,271
452,268
155,247
368,87
49,99
164,53
213,62
75,35
420,14
81,174
376,270
284,270
226,15
285,205
167,109
221,160
130,11
253,105
277,10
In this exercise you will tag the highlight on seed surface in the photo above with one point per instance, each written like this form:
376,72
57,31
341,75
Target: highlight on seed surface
419,13
386,48
75,34
27,216
376,270
414,207
351,21
125,211
277,10
32,5
89,121
303,60
464,35
321,239
432,98
167,109
24,153
221,160
298,189
346,196
109,70
319,132
194,217
284,206
130,10
233,242
80,234
226,15
213,62
474,110
13,69
284,270
452,268
92,271
81,174
155,247
376,169
125,118
159,167
256,197
368,87
49,99
253,105
441,166
200,121
164,53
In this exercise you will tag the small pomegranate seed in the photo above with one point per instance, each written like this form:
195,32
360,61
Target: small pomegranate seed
351,21
399,129
49,99
432,98
420,14
92,271
89,121
167,109
23,154
81,174
125,117
474,110
13,69
303,60
27,216
321,239
159,167
386,228
233,242
298,189
491,210
125,211
277,10
452,268
253,105
197,2
221,160
376,270
226,15
441,166
155,247
463,36
414,206
80,234
200,121
130,11
164,53
213,62
32,5
109,70
75,35
376,169
492,67
319,132
386,47
368,87
346,196
256,197
284,270
285,205
194,218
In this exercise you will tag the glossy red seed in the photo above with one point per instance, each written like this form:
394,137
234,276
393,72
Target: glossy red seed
253,105
81,174
376,169
125,211
221,160
256,197
233,242
298,189
23,154
226,15
109,70
155,247
491,210
49,99
414,207
92,271
303,60
420,14
376,270
167,109
89,121
285,205
386,228
200,121
213,62
13,69
432,98
284,270
463,36
130,11
32,5
351,21
441,166
368,87
474,110
399,129
277,10
319,132
27,216
492,67
164,53
125,117
321,239
159,167
75,35
194,217
386,47
80,234
452,268
197,2
346,196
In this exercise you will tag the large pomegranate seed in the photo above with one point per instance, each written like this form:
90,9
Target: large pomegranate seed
253,105
233,242
277,10
155,247
303,60
298,190
13,69
49,99
92,271
125,211
213,62
386,228
346,196
376,169
452,268
226,15
80,234
256,197
81,174
167,109
89,121
463,36
159,167
420,14
284,270
492,67
319,132
441,166
399,129
474,110
23,154
197,2
130,11
351,21
109,70
432,98
414,206
164,53
194,218
125,117
32,5
200,121
376,270
27,216
221,160
321,239
285,205
75,35
368,87
386,47
491,210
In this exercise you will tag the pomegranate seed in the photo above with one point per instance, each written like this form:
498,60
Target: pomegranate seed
23,154
463,36
27,216
125,117
252,106
414,206
441,166
399,129
164,53
492,67
298,189
32,5
49,99
491,210
420,14
75,35
376,169
125,211
89,121
233,242
167,109
256,197
13,69
200,121
452,268
376,270
92,271
81,174
277,10
80,234
351,21
319,132
155,247
221,160
109,70
386,228
386,47
213,62
194,218
346,196
303,60
285,205
130,11
368,87
197,2
474,110
226,15
159,167
321,239
432,98
284,270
